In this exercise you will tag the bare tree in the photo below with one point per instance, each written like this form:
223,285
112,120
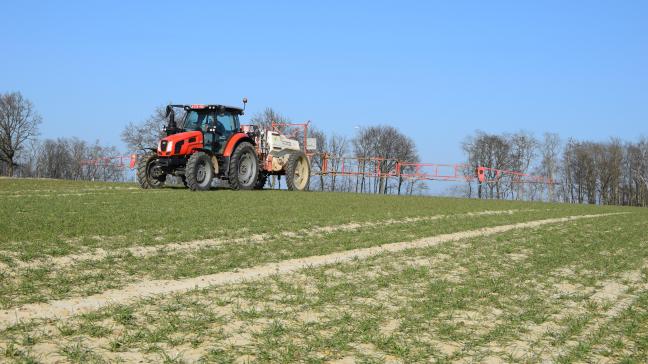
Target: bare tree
18,125
524,148
488,150
78,150
609,163
515,152
580,174
642,170
329,149
549,166
55,159
268,116
28,159
71,158
406,153
363,149
317,161
147,133
337,146
387,146
635,174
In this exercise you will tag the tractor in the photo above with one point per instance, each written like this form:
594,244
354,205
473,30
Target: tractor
209,143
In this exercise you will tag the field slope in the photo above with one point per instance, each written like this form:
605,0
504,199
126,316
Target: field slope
99,272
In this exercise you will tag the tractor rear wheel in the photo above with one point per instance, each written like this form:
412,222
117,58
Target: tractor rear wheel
199,172
244,167
148,173
298,172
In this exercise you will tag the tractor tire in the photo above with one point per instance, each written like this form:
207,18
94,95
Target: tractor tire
261,182
298,172
199,172
145,164
244,167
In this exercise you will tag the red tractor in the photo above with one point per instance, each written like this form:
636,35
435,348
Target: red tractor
209,143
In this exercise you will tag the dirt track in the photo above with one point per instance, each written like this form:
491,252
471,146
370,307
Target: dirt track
73,306
146,251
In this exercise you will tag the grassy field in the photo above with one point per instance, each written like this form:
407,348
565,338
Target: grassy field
99,272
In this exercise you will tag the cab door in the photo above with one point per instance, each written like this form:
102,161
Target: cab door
210,133
226,125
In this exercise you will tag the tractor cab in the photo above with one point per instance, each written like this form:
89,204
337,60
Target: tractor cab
215,123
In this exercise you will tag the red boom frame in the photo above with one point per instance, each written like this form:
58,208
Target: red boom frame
374,166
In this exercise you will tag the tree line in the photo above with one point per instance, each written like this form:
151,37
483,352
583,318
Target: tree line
23,154
612,172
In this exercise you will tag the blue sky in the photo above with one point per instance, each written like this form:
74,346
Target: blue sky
437,70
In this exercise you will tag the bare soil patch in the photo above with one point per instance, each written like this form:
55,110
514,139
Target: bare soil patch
73,306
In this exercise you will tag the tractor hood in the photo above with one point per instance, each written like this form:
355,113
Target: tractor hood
180,144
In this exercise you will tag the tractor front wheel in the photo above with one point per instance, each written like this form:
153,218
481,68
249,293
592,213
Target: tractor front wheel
199,172
298,172
149,174
244,167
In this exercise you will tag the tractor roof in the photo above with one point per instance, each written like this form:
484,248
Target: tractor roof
238,110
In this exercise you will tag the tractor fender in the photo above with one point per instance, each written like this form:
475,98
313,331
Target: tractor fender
235,140
211,154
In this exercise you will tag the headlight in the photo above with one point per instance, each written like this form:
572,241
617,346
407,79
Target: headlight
168,149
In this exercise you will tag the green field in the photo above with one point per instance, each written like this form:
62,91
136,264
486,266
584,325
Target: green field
99,272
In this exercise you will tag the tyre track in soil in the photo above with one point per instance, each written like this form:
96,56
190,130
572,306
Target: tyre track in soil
62,309
591,329
525,347
147,251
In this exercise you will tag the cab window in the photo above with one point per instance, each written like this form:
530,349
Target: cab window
195,120
227,121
